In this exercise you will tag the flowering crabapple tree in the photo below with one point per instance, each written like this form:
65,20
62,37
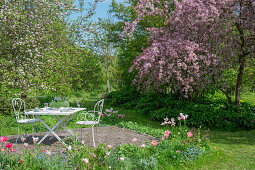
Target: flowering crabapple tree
36,43
200,40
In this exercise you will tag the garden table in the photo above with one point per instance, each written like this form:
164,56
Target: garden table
67,113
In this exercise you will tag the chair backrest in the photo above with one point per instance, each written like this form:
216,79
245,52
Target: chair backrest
18,106
99,108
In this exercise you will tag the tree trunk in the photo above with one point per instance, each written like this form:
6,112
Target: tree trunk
108,86
239,80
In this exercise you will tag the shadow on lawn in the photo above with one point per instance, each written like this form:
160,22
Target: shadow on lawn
239,137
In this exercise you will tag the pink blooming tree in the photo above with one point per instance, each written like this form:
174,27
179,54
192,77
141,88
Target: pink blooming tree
199,42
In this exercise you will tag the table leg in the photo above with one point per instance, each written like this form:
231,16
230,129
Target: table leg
51,130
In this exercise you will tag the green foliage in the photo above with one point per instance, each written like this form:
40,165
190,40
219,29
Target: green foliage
6,104
208,113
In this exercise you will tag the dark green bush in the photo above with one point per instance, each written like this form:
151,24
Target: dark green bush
214,114
6,104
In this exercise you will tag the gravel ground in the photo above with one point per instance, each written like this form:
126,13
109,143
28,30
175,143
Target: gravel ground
109,135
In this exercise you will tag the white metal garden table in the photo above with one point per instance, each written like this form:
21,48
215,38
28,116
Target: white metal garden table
67,113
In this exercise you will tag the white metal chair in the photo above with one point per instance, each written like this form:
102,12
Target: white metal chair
19,108
91,118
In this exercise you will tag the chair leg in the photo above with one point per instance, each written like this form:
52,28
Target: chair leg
32,130
93,136
18,134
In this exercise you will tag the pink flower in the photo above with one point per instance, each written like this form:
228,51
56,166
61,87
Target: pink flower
35,140
119,115
23,139
93,155
82,142
21,160
13,150
121,158
3,139
48,153
69,148
44,151
154,143
178,151
8,145
134,140
25,145
85,160
20,153
179,118
163,138
2,149
123,116
142,146
109,146
107,154
189,134
167,133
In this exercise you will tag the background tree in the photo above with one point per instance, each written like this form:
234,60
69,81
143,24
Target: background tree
38,48
200,41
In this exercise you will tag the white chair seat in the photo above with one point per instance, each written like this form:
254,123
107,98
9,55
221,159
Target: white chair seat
28,120
87,122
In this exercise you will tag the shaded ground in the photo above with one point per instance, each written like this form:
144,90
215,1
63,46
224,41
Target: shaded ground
109,135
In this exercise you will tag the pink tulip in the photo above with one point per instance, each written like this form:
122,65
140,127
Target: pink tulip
178,151
107,154
167,133
121,158
189,134
134,140
93,155
109,146
22,139
2,149
3,139
85,160
8,145
123,116
154,143
163,138
142,146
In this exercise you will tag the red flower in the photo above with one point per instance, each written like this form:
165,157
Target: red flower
154,143
3,139
8,145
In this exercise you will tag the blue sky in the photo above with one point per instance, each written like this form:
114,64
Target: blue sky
102,8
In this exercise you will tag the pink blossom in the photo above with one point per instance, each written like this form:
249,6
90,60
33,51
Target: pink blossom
163,138
82,142
123,116
189,134
167,133
48,153
107,154
3,139
178,151
25,145
134,140
69,148
23,139
121,158
142,146
8,145
93,155
35,139
154,143
2,149
85,160
109,146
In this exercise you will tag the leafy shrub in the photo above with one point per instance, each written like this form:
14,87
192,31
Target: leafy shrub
208,113
6,104
45,99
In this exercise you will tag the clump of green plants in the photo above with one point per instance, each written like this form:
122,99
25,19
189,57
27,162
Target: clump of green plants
112,117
